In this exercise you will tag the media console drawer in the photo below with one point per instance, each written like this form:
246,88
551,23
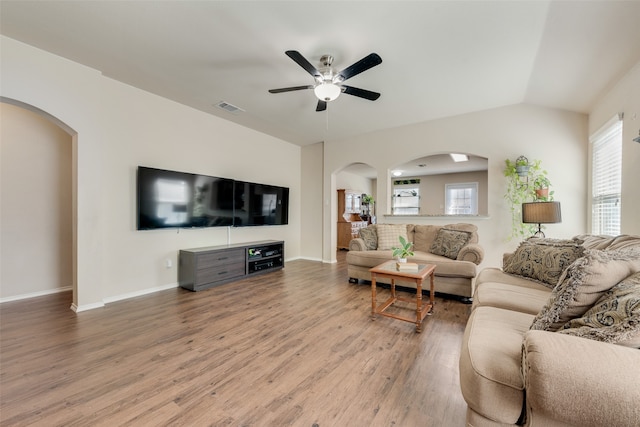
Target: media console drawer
203,268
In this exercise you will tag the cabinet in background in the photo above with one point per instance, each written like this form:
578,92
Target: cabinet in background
349,220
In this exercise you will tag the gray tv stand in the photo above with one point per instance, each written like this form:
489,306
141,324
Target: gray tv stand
204,268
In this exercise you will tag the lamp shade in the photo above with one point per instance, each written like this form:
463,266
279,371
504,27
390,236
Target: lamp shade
327,91
541,213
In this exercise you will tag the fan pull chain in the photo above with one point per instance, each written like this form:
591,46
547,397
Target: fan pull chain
327,116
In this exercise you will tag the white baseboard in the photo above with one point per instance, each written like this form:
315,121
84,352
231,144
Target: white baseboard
79,308
85,307
140,293
310,259
36,294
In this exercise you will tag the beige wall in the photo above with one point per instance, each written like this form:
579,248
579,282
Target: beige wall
311,202
624,97
432,190
120,127
351,181
36,205
558,138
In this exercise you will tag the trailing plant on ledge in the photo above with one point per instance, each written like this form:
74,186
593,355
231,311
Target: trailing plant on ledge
521,189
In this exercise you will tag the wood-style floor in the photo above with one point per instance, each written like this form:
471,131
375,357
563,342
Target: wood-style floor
295,347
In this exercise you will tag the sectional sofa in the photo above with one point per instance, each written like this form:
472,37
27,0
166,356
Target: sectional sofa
553,336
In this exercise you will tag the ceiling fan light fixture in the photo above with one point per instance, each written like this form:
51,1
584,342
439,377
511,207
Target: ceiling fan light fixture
327,91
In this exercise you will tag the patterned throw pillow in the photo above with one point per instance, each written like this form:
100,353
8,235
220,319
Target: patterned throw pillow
370,238
543,260
449,242
583,283
388,235
615,317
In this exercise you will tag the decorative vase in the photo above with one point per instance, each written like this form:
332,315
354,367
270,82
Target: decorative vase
402,260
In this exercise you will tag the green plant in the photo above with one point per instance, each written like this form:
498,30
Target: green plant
542,186
367,199
541,181
404,250
518,192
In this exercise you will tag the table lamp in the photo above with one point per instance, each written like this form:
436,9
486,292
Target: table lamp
541,213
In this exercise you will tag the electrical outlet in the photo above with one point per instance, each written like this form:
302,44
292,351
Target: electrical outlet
168,263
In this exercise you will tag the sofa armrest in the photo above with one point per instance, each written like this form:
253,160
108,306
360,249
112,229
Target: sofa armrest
471,252
580,381
357,244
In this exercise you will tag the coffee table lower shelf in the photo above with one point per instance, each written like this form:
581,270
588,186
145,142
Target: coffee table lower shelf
421,313
389,271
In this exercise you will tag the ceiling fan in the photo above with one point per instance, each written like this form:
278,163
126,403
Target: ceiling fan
328,85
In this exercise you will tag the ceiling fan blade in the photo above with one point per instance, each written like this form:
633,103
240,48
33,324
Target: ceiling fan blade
361,93
301,61
364,64
322,105
289,89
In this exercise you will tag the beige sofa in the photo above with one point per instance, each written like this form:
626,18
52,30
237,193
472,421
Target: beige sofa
536,354
456,260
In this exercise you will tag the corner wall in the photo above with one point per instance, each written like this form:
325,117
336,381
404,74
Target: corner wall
36,203
120,127
624,97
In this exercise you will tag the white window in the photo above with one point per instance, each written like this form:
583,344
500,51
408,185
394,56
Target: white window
461,199
606,183
406,200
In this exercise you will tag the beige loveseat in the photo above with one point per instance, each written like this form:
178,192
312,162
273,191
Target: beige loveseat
536,354
457,253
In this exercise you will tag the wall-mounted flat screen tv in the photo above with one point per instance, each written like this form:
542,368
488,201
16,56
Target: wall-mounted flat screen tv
260,204
170,199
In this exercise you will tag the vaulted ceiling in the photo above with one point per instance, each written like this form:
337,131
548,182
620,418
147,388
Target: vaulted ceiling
440,58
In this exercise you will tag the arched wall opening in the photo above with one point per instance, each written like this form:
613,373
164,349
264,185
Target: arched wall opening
353,180
39,203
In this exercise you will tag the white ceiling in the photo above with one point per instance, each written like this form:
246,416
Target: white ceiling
440,58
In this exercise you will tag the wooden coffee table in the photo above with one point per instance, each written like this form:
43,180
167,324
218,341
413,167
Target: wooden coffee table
389,270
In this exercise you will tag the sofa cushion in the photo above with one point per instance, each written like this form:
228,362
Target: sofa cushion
423,237
583,283
492,274
444,266
543,260
370,238
510,297
449,242
490,360
592,241
389,234
614,318
623,241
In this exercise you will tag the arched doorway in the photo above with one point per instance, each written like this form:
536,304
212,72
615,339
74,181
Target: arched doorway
38,203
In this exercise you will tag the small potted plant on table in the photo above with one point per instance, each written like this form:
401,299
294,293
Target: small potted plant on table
403,251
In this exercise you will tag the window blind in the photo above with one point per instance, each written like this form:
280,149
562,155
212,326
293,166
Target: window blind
606,178
461,199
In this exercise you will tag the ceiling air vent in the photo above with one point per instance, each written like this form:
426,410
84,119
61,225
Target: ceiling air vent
229,107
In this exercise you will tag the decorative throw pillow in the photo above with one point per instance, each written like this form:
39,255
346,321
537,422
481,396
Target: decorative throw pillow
449,242
583,283
370,238
543,260
615,317
388,235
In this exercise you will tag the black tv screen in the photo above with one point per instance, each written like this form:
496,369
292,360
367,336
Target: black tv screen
260,204
169,199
